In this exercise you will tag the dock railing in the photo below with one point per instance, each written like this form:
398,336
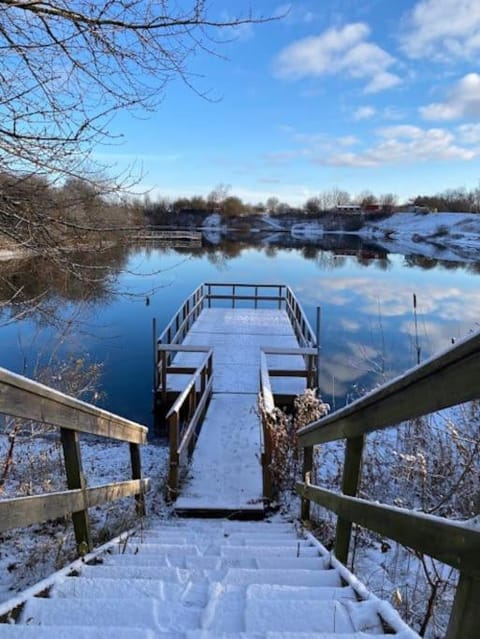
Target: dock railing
25,399
183,426
446,380
208,293
185,417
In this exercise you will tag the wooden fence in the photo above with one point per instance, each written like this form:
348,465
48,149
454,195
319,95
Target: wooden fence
443,381
25,399
185,417
206,295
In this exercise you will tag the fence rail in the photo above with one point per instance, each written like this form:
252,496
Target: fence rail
185,416
446,380
25,399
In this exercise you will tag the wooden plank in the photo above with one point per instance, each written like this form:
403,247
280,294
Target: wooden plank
350,481
136,465
183,348
24,511
76,479
451,542
183,395
26,399
266,298
442,381
463,622
116,490
270,350
241,285
265,386
189,432
307,474
288,372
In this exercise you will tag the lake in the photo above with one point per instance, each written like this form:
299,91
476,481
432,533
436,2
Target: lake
368,329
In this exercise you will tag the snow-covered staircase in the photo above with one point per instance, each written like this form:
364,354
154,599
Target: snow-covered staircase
205,579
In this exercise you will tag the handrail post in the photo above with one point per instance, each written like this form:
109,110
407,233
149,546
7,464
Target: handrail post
209,296
75,480
350,480
306,473
155,355
163,377
318,325
463,622
173,435
136,464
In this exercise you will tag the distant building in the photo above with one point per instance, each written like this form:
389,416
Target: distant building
348,208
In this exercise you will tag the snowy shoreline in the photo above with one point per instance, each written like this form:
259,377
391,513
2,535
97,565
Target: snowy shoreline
443,236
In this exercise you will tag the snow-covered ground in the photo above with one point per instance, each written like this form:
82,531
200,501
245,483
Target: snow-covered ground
443,236
30,554
446,236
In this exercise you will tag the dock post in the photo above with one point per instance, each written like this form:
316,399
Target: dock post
318,349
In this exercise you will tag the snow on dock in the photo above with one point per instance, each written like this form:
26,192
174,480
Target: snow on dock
226,473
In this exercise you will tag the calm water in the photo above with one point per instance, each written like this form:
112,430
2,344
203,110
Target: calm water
367,330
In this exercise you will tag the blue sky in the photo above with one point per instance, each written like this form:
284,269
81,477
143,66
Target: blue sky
356,94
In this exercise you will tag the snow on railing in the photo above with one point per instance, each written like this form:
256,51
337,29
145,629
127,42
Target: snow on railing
445,380
25,399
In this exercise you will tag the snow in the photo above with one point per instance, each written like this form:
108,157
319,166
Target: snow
225,472
446,236
30,554
86,600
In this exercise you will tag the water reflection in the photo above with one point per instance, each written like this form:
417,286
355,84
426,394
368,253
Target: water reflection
368,331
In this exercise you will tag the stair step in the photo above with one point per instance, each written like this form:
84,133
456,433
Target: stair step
127,613
207,634
291,593
107,588
274,551
221,540
212,562
262,615
264,576
167,574
82,632
154,549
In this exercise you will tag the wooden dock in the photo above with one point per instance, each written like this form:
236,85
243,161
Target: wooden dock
226,474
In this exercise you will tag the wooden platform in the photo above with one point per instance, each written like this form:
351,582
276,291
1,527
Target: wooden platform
226,475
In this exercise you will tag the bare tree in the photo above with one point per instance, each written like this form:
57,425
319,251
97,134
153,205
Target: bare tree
66,68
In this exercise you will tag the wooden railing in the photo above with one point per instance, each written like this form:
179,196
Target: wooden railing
268,400
206,295
185,416
25,399
443,381
169,344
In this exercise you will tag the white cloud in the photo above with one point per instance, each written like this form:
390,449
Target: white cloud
404,144
469,133
443,29
364,113
342,50
463,101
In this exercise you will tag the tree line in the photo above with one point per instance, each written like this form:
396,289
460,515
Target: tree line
164,210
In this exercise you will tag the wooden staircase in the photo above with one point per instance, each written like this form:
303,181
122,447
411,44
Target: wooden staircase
205,579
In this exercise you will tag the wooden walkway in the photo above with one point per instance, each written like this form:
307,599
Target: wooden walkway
226,472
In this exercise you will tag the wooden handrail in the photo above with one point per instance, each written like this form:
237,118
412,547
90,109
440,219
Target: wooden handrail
26,399
444,380
23,511
22,397
451,542
184,442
